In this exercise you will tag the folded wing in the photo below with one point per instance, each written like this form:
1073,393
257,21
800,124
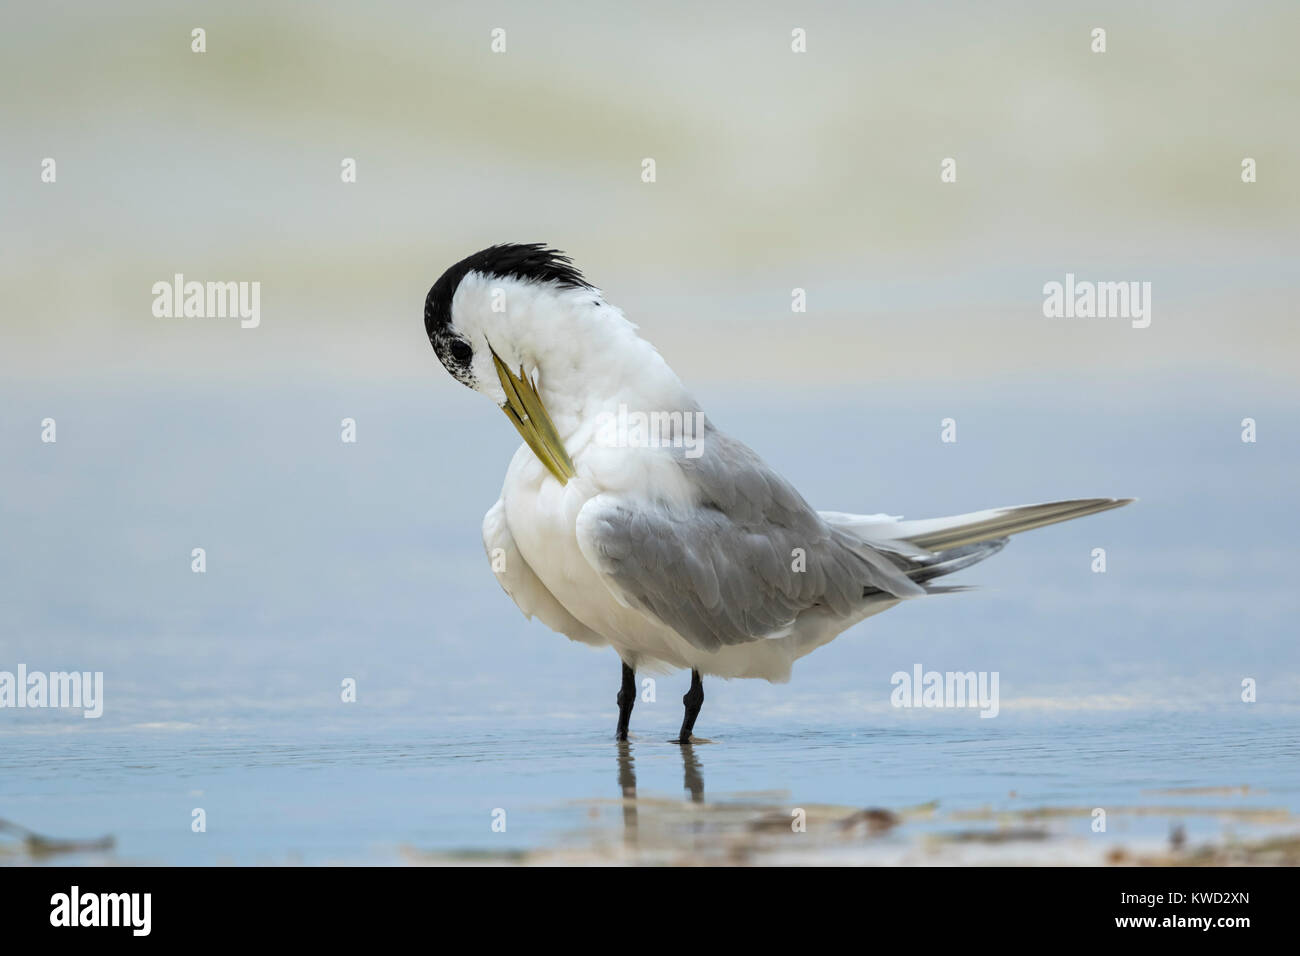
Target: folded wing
740,561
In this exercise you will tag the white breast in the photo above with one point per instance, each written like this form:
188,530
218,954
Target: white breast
542,517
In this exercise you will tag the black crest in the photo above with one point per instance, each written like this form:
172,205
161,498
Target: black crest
531,261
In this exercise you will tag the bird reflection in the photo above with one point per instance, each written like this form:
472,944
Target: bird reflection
692,783
692,774
627,784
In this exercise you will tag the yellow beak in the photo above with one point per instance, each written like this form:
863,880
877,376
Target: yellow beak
525,410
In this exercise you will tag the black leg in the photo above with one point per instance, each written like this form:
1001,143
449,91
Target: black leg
693,700
626,698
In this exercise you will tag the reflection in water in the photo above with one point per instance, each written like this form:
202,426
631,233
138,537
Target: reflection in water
692,782
627,785
693,774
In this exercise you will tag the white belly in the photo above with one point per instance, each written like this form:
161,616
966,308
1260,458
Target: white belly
542,518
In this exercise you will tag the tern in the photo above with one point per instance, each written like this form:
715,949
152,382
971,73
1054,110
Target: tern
675,544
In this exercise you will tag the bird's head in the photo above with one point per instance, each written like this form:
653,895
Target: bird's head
492,319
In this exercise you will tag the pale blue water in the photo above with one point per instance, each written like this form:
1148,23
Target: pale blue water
329,561
367,794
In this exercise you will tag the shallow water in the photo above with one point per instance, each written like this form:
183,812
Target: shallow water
953,788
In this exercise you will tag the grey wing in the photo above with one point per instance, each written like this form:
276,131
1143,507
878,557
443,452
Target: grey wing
742,562
521,582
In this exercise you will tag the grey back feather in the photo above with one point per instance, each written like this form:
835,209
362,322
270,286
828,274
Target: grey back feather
725,571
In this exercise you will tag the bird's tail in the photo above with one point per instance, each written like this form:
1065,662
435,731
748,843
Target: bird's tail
952,559
933,547
944,534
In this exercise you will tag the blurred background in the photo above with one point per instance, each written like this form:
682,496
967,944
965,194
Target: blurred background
775,170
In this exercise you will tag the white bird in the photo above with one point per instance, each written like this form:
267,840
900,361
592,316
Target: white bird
627,519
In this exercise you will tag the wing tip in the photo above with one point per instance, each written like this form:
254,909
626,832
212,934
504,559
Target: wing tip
1115,502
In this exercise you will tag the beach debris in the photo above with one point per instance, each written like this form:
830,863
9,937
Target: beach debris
37,846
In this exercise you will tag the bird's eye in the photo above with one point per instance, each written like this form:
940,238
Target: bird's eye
461,352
